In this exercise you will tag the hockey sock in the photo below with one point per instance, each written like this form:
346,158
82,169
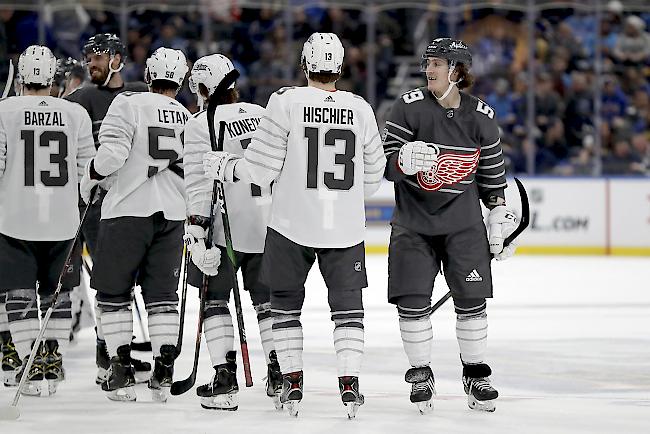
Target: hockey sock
265,322
471,329
23,319
163,325
218,330
98,322
348,342
416,331
287,338
4,321
60,323
117,322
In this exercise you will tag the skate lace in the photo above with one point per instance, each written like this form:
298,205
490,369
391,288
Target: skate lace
482,384
423,386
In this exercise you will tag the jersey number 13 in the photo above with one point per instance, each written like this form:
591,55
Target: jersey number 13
345,159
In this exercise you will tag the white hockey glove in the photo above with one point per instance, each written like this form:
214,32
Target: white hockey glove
207,260
417,156
87,184
501,223
220,165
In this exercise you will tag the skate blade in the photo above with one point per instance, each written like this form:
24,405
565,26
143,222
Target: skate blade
9,412
477,405
102,375
352,408
31,388
276,402
160,395
52,386
9,378
125,394
425,407
227,402
142,376
293,407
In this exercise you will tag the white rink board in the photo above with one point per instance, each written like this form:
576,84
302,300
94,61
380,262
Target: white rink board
630,212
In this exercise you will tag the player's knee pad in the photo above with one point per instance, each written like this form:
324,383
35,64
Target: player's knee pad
63,303
470,308
21,304
108,307
162,308
263,310
216,308
413,307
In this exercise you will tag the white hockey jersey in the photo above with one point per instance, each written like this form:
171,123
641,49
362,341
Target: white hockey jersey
324,152
248,204
45,143
141,148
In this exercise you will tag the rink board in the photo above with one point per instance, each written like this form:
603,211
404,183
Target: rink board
576,216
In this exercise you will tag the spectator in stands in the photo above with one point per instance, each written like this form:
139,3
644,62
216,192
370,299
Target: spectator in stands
614,101
579,111
266,75
633,45
501,100
622,160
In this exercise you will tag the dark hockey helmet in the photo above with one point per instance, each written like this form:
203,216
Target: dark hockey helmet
454,50
104,43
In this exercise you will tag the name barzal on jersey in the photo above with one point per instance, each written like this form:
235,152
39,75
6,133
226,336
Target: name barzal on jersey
323,151
141,152
248,204
45,143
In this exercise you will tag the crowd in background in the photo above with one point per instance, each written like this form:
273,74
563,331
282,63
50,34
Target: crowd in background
565,46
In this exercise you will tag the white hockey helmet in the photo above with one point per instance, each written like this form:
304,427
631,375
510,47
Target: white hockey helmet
166,64
210,71
323,52
37,65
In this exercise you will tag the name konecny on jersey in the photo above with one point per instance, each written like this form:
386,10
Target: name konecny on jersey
44,119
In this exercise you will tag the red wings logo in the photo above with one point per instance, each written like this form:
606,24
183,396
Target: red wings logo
448,170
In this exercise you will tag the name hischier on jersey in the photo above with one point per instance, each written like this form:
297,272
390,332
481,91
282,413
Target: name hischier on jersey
328,115
44,119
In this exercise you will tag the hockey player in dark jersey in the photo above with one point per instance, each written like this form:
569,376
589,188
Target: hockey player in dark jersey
104,56
444,156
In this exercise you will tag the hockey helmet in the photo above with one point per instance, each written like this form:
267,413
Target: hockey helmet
454,50
104,43
210,71
37,65
166,64
323,52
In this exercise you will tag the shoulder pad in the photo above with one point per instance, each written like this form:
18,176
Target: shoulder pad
412,96
284,89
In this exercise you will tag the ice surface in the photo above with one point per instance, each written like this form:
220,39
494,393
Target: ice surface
569,344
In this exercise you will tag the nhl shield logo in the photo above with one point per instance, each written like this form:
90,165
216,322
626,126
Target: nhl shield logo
358,266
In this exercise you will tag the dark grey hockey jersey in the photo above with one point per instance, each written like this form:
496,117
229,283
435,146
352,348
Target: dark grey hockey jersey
470,164
96,100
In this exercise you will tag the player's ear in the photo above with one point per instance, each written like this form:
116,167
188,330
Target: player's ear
117,59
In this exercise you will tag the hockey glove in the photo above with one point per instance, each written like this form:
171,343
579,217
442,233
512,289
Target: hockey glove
220,165
206,260
501,223
88,184
417,156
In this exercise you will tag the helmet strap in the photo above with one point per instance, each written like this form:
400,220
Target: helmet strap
111,70
452,68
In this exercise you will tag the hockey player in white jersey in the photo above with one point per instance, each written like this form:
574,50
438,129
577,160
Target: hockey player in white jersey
141,229
45,143
322,148
249,207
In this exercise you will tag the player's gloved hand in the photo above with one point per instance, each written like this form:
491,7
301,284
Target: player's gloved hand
502,222
220,165
417,156
88,184
207,260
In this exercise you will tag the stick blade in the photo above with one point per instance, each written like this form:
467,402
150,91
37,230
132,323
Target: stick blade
9,412
180,387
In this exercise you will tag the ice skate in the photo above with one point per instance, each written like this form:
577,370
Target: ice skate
480,393
121,377
274,380
292,392
11,363
221,392
142,369
32,386
350,395
163,372
53,366
422,388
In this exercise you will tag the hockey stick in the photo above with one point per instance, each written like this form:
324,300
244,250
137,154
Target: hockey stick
11,412
182,386
136,346
523,224
10,80
186,259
